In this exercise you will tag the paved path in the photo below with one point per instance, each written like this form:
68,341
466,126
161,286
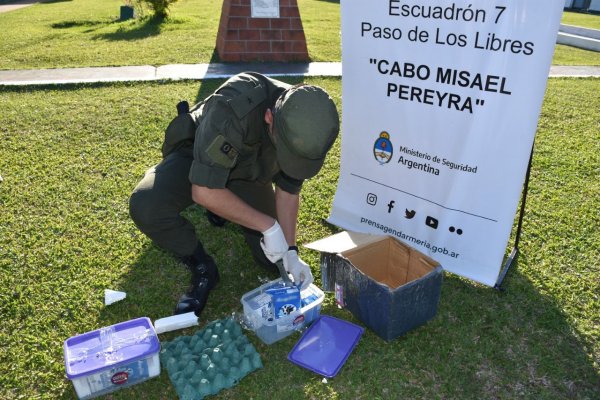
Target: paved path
16,4
203,71
174,71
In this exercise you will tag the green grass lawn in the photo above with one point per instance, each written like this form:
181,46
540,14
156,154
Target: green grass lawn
568,55
76,33
579,19
83,33
70,156
88,33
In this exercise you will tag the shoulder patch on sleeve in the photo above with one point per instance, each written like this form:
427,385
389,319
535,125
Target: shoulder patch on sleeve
247,101
222,152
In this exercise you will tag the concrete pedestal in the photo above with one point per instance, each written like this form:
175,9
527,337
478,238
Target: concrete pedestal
243,38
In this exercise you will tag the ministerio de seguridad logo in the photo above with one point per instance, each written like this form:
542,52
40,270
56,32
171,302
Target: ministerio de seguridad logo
383,149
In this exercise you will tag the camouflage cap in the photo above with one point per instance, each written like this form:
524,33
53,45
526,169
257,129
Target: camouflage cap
306,124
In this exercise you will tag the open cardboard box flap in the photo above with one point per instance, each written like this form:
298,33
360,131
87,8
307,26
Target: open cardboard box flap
383,258
343,241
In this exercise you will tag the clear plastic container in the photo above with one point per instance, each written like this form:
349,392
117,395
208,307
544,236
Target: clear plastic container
112,358
259,314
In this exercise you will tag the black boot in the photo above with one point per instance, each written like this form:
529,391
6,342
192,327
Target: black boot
215,220
205,269
205,277
194,299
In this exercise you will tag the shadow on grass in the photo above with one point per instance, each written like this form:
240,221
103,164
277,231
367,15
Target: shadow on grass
157,279
513,344
53,1
77,23
145,28
93,24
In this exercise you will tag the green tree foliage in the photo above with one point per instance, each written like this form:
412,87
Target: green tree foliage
159,7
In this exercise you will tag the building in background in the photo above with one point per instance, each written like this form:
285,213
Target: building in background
583,5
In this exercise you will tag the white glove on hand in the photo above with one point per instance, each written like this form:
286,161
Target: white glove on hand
299,269
273,243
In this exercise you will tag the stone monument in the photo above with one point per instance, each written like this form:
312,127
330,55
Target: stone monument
261,30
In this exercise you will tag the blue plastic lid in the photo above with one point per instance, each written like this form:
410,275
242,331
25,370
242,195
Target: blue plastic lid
111,346
326,345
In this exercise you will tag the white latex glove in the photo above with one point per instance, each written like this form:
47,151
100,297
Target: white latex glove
273,243
299,270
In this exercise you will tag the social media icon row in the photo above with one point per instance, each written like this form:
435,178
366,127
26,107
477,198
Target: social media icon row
430,221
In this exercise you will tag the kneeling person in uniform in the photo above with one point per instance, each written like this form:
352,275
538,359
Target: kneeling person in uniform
242,154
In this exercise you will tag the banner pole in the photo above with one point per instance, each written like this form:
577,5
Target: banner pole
515,250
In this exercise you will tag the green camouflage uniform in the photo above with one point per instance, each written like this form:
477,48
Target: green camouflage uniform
222,142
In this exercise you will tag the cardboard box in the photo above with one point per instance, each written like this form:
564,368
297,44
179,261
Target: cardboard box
388,285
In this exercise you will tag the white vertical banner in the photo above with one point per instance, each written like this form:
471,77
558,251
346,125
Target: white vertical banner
440,106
